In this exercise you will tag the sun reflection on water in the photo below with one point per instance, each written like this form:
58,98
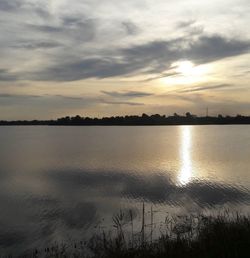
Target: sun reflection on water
185,155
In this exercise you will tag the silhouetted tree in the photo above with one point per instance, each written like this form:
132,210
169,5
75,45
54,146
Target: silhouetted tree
144,119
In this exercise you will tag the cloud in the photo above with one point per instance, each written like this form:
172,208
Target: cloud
45,101
123,103
130,28
24,6
159,54
86,52
79,29
87,68
153,57
5,75
6,95
67,97
47,28
59,101
212,48
7,6
191,27
127,94
210,87
37,45
162,75
185,24
66,41
72,21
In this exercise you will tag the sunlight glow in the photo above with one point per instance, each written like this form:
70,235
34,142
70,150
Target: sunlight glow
185,155
187,68
186,72
184,67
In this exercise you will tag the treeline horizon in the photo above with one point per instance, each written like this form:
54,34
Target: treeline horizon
144,119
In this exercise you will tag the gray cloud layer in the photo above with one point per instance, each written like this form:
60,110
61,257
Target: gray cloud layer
81,44
5,75
6,5
61,101
153,57
210,87
127,94
66,41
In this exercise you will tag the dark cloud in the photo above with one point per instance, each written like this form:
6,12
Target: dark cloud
9,5
24,6
79,29
71,21
130,28
67,97
210,87
37,45
6,95
41,11
46,28
159,54
87,68
5,75
195,30
162,75
191,27
127,94
208,49
184,24
58,101
153,57
9,95
44,101
123,103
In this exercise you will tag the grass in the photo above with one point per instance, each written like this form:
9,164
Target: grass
223,236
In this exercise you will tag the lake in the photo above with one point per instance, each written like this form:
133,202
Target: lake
64,183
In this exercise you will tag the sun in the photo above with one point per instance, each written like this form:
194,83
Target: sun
185,68
186,72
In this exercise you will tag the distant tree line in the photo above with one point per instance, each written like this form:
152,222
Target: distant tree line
144,119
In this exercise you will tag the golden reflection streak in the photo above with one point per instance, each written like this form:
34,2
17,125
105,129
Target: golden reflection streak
185,155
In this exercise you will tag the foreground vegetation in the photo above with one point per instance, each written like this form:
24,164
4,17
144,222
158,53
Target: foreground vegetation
222,236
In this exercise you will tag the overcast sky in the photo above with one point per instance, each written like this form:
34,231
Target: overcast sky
112,57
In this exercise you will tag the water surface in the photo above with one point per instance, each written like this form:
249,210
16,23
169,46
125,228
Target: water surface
63,183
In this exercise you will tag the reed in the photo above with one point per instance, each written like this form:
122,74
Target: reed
226,235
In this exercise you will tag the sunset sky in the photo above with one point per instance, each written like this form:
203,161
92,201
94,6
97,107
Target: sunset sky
112,57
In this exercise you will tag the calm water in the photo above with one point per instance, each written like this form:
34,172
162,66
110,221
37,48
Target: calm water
62,183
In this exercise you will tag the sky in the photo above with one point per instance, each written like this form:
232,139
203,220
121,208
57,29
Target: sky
111,57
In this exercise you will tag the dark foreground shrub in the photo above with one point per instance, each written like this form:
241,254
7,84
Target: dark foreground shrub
223,236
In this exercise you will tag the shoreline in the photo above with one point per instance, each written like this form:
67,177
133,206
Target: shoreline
134,120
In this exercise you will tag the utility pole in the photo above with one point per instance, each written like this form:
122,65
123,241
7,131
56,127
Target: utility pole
207,112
